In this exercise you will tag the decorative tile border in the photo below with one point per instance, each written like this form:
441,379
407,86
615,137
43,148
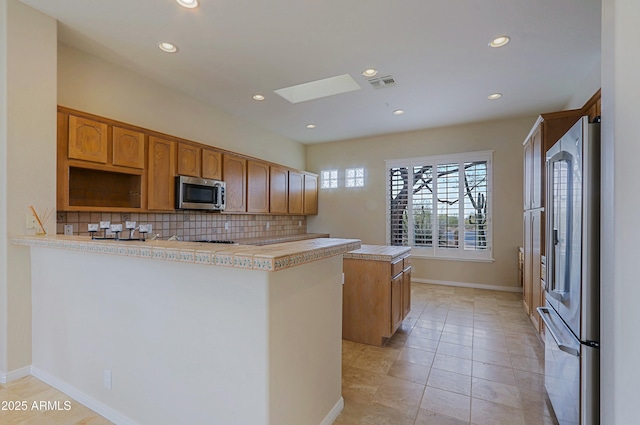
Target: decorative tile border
265,258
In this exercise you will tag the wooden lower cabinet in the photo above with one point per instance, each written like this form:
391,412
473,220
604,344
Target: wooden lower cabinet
376,293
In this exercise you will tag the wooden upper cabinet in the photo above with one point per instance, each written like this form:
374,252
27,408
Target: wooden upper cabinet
257,187
534,168
88,140
234,173
161,173
310,194
278,190
128,148
537,192
189,158
211,164
296,192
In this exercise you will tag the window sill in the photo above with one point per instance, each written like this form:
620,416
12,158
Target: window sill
431,257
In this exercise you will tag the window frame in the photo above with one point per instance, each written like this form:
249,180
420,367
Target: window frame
354,178
435,252
330,179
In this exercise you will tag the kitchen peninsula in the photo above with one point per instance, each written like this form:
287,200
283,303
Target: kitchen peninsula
179,332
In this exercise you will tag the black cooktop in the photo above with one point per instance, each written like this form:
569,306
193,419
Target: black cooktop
215,241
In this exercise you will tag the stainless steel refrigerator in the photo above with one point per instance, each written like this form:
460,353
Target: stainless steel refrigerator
572,311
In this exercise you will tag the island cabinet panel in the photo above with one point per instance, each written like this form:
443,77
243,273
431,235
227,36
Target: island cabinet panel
211,164
406,287
189,159
128,148
376,294
88,140
296,192
234,173
396,304
278,190
257,187
161,174
310,194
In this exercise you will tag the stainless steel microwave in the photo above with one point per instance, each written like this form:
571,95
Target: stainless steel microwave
193,193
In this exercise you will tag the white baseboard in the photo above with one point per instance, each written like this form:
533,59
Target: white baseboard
469,285
14,374
82,398
333,414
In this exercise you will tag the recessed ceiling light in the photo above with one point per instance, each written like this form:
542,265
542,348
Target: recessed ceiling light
258,97
494,96
311,126
189,4
370,72
398,112
499,41
168,47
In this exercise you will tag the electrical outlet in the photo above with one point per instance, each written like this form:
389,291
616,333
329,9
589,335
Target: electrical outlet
107,379
226,225
68,229
299,224
31,222
268,225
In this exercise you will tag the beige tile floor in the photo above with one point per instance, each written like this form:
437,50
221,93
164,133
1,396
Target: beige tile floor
61,410
462,356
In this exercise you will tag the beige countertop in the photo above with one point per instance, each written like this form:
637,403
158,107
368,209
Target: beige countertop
280,239
378,252
272,257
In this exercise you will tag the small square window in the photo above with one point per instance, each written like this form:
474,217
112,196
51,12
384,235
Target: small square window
328,179
354,177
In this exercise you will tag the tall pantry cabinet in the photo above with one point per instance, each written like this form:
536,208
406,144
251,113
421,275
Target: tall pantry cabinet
546,131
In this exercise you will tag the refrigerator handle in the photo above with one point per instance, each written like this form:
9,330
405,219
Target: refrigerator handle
544,311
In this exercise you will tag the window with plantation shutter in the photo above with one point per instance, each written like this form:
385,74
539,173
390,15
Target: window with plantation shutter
441,205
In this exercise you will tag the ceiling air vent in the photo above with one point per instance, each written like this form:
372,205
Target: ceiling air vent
382,82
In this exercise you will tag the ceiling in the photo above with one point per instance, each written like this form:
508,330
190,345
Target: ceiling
436,50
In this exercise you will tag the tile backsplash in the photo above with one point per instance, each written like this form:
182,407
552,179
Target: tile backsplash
193,225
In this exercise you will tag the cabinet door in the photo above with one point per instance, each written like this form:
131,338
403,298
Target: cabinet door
87,140
296,192
211,164
128,148
537,176
161,173
258,187
528,174
189,160
536,296
278,190
528,267
396,303
310,194
234,172
406,292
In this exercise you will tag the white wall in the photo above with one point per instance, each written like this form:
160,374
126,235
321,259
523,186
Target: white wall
27,161
360,213
90,84
620,289
586,90
189,343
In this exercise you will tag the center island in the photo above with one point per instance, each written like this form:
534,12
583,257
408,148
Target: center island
161,332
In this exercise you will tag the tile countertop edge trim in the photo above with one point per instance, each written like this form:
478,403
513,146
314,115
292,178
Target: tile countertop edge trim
377,257
259,261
